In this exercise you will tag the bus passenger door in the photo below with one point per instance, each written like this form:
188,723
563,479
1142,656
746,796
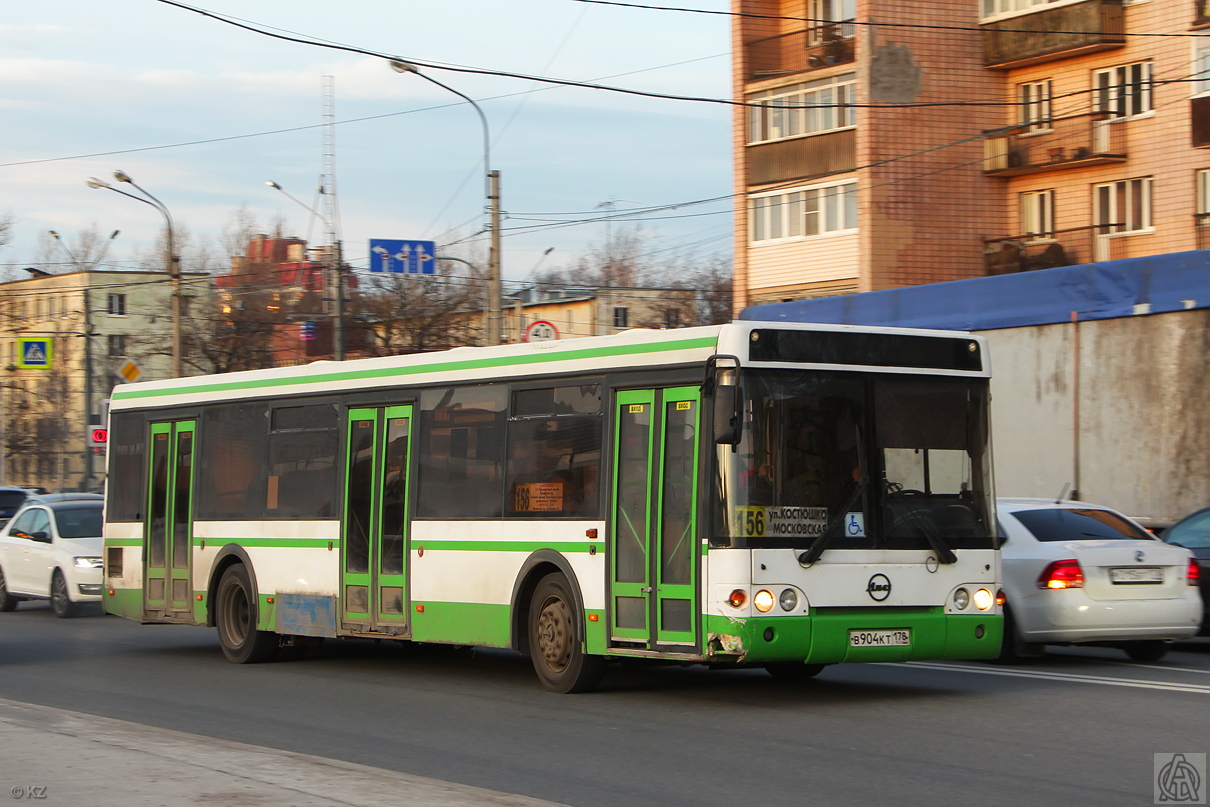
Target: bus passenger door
375,523
168,533
653,535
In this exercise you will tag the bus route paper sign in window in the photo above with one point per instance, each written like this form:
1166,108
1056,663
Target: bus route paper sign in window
780,522
539,496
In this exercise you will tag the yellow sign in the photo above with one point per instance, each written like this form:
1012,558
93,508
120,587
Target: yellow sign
536,496
130,371
681,406
636,409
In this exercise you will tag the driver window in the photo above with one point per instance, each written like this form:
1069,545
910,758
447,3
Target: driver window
23,522
33,521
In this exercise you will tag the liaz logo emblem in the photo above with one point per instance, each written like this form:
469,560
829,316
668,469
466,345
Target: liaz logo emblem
879,587
1139,557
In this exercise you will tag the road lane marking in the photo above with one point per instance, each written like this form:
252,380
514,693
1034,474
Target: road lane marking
1071,678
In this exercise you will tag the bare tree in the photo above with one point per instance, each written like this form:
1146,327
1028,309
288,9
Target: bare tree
7,222
416,313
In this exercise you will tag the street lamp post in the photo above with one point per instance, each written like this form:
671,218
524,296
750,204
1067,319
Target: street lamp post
494,282
172,263
337,265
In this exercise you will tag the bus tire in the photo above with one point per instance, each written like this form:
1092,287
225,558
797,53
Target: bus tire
555,649
235,616
793,670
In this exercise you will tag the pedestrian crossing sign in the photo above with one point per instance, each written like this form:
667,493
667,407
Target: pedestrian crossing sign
34,354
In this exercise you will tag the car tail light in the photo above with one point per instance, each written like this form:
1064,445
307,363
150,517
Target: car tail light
1062,574
1194,574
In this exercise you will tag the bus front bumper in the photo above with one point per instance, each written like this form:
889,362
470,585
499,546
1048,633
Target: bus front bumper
826,636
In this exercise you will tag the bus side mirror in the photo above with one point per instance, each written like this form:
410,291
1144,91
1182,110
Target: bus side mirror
726,415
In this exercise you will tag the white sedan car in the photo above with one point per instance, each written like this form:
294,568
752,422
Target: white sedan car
1078,573
51,549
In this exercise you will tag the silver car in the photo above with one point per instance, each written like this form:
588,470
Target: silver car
1078,573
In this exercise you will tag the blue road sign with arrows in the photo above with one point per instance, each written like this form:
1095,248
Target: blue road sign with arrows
403,257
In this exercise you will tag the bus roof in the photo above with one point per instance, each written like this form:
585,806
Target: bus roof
634,349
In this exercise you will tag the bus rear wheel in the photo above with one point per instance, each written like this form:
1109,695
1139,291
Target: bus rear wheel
793,670
236,615
556,651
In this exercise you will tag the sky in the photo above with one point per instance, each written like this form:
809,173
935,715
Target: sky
80,78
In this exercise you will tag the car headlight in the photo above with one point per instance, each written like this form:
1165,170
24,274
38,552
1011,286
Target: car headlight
962,598
788,600
88,563
763,600
984,599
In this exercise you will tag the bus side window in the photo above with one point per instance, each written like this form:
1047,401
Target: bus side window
554,453
460,444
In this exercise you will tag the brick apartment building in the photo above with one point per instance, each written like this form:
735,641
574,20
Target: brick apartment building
983,137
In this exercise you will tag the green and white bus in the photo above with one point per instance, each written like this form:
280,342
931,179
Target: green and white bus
759,494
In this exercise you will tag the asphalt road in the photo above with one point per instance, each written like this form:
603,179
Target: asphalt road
1077,727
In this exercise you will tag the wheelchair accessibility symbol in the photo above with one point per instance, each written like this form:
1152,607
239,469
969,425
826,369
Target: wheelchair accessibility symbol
854,525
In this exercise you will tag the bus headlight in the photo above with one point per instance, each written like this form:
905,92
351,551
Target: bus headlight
763,600
788,600
962,598
984,599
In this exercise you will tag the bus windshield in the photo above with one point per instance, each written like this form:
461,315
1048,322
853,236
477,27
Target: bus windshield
863,461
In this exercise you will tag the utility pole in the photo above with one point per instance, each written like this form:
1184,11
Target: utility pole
86,482
495,285
338,323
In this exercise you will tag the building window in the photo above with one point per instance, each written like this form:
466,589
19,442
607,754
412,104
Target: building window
1201,65
621,317
830,19
1203,192
995,8
803,109
820,210
1038,214
1035,105
672,318
117,305
117,344
1123,207
1123,91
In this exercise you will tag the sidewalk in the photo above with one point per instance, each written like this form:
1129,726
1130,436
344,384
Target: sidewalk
77,758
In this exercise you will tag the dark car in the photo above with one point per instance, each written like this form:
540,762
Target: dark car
11,499
1193,533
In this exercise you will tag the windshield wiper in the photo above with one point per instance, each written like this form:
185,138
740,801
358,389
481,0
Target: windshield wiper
820,544
922,522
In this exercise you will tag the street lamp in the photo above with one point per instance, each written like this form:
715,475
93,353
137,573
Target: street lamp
171,261
337,265
494,283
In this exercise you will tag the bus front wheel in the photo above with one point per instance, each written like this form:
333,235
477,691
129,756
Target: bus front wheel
558,657
242,643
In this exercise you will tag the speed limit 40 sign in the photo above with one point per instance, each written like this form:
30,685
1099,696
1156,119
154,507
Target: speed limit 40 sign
541,331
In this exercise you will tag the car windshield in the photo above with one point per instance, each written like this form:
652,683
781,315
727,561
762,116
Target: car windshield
1193,533
873,461
1078,524
12,498
79,522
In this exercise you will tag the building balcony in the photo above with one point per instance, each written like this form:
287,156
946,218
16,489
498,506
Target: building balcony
802,157
1063,143
814,48
1054,33
1025,253
1201,226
